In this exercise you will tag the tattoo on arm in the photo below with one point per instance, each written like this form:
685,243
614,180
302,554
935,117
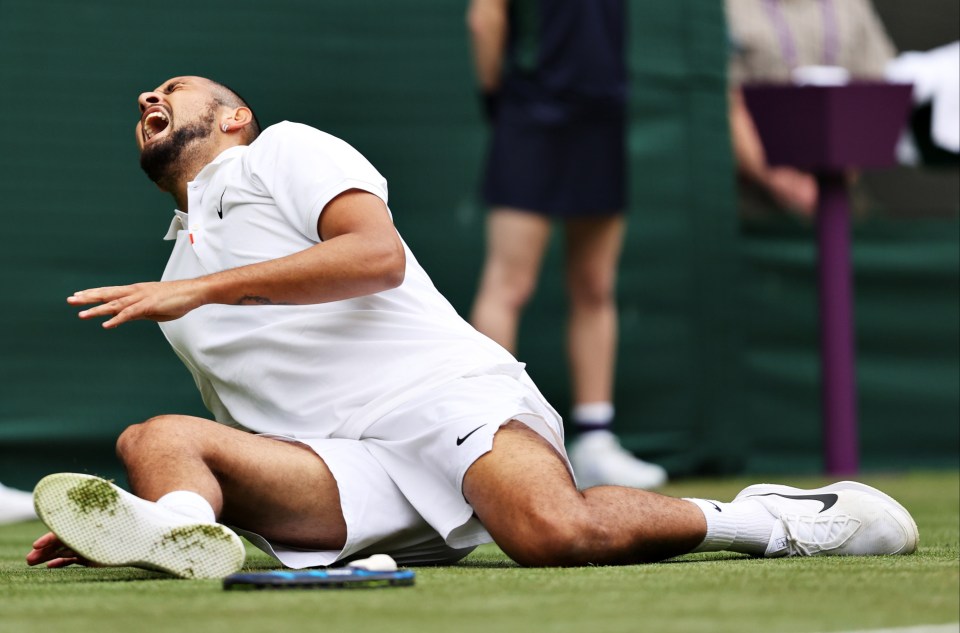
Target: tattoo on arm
256,300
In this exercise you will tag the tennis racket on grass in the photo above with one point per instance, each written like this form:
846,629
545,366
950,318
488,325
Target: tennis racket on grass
341,578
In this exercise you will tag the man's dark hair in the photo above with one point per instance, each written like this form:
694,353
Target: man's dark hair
227,96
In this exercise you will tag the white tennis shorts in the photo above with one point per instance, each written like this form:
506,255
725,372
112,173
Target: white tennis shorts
401,483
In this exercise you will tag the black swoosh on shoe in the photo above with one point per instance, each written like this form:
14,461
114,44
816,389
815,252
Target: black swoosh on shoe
827,499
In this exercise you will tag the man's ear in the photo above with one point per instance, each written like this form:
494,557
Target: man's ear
236,120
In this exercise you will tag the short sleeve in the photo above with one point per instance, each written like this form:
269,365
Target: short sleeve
303,169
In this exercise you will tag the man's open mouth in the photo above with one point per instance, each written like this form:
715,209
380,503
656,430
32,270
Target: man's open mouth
154,122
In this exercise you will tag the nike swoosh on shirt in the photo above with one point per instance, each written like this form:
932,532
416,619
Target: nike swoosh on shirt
220,206
461,440
828,499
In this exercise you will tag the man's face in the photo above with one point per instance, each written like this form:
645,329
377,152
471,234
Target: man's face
173,118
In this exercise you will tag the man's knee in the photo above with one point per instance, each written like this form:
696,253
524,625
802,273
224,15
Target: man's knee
523,494
554,538
164,432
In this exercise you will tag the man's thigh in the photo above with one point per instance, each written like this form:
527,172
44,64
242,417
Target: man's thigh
285,492
279,489
521,487
428,443
378,517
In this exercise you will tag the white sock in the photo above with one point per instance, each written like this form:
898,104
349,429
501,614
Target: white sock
188,504
744,526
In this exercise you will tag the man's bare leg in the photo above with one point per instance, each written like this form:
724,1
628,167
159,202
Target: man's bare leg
522,493
280,490
196,471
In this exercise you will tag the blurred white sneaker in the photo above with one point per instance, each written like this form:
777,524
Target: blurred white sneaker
598,459
15,506
842,519
108,525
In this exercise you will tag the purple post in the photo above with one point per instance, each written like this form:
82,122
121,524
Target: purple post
837,347
829,130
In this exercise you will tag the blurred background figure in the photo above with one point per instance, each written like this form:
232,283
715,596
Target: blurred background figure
771,40
552,77
934,134
15,505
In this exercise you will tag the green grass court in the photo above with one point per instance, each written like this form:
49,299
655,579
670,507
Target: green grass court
708,593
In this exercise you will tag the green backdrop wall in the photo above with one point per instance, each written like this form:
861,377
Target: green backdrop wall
717,369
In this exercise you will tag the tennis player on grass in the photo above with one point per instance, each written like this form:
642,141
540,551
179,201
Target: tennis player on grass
355,411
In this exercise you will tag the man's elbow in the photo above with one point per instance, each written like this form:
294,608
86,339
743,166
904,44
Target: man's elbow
394,278
393,267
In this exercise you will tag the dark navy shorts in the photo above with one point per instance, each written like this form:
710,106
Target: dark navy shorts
572,167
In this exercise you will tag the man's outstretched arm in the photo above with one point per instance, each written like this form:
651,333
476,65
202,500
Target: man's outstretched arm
361,254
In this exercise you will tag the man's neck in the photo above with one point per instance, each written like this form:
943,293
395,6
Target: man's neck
191,163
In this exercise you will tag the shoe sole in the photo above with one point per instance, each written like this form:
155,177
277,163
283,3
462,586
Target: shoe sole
111,527
897,512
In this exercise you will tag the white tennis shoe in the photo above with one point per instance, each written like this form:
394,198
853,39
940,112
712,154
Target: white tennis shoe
15,506
842,519
598,459
109,526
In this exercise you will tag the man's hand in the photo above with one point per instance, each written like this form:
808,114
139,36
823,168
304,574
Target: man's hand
154,301
50,550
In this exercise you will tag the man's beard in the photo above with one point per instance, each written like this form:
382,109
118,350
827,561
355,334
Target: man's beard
164,162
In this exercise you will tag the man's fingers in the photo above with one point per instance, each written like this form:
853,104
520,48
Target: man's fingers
130,309
98,295
119,309
109,308
64,562
120,318
49,549
45,540
156,301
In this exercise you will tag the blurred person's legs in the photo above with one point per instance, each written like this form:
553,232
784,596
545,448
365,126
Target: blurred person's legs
15,505
516,242
593,247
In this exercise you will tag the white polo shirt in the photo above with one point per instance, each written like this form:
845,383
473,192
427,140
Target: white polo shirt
311,371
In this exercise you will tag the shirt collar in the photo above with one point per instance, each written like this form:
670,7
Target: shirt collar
178,223
210,168
180,220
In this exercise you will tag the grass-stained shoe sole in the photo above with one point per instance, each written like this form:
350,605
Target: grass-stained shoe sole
109,526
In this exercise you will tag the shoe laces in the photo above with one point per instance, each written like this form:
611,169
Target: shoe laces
808,535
